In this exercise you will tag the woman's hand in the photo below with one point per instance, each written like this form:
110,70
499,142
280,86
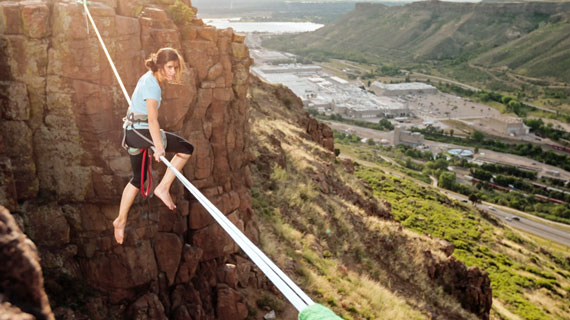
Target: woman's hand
158,152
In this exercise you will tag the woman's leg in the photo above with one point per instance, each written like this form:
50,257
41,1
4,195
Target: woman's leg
132,188
129,195
163,189
184,150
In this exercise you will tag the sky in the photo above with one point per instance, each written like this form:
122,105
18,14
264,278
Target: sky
229,2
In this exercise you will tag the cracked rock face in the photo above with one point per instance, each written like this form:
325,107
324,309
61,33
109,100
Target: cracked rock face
62,170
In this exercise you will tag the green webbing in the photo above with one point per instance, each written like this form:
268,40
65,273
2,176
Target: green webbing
318,312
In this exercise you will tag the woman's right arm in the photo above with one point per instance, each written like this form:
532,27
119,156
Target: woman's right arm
154,128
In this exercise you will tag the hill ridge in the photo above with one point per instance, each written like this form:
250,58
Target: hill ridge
443,36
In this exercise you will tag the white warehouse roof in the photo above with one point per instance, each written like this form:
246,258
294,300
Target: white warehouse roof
403,86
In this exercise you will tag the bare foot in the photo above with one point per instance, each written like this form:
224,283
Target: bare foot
119,230
165,197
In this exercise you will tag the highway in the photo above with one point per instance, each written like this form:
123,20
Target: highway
520,221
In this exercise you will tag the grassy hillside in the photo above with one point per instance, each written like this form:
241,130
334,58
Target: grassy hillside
502,47
543,53
361,241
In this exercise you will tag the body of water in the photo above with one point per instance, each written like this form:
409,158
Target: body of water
271,27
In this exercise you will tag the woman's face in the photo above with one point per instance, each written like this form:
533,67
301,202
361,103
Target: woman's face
168,72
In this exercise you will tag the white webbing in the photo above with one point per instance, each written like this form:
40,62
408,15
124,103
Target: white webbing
106,53
287,287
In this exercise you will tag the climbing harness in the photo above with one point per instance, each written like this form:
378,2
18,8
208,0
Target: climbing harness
129,120
288,288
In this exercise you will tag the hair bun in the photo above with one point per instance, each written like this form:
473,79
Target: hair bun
150,63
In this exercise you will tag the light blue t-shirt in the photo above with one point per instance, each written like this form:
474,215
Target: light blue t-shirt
147,88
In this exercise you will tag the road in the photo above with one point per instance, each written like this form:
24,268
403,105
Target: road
534,227
457,83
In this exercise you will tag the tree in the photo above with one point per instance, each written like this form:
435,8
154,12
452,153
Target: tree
440,164
478,136
451,131
474,199
409,163
447,180
505,100
386,124
514,106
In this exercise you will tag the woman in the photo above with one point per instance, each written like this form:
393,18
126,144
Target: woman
165,65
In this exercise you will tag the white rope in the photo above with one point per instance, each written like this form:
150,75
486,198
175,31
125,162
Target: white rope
107,53
289,289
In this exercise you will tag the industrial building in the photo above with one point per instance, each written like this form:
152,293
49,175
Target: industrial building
407,138
331,94
402,89
508,126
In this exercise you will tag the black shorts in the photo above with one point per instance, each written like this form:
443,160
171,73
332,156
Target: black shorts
174,143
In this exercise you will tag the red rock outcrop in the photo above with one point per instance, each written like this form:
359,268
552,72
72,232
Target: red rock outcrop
471,286
62,169
22,294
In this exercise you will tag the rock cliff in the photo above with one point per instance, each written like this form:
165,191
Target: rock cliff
62,169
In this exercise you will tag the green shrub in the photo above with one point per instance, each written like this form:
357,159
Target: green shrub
270,302
180,13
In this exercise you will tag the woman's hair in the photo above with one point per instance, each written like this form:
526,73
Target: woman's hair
157,60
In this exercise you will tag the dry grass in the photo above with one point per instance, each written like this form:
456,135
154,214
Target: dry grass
502,312
353,295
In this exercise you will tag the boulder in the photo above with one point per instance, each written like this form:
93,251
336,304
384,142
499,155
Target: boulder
229,304
227,274
190,258
21,279
125,267
47,226
14,102
215,71
147,307
35,19
168,251
215,241
8,195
